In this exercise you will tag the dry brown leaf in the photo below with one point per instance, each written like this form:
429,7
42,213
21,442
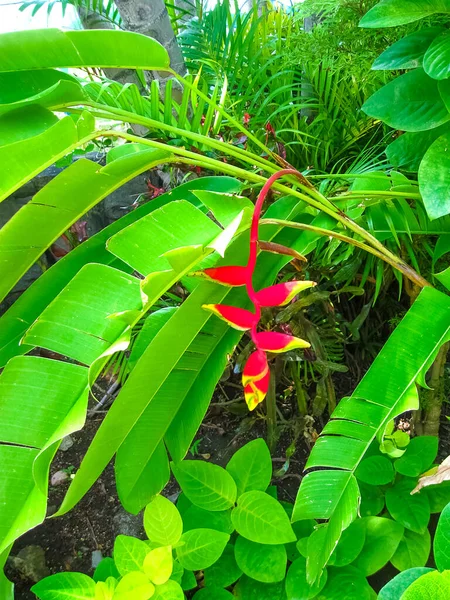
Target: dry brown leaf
439,474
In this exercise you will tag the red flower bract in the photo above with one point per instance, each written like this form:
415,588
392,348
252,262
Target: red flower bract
256,373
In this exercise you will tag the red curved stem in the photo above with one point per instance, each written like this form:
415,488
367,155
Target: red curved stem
254,236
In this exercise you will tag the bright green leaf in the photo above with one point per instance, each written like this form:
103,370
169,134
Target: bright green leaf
437,57
391,13
251,467
158,565
433,585
106,568
412,511
129,554
134,586
394,589
350,544
411,102
201,548
297,588
433,182
409,51
65,586
347,583
249,589
419,456
162,521
260,518
199,518
213,594
171,590
372,500
206,485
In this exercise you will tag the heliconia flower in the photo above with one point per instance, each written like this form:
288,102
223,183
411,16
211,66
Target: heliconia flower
255,368
282,293
239,318
231,276
271,341
256,391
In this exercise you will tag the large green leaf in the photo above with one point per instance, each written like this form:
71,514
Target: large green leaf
6,586
260,561
49,88
382,539
411,102
396,586
60,204
251,467
442,541
408,52
434,184
201,548
387,390
413,550
65,586
32,302
55,393
437,58
162,522
433,585
390,13
167,381
24,158
408,149
48,48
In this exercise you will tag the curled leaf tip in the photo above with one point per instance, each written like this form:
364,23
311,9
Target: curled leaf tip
239,318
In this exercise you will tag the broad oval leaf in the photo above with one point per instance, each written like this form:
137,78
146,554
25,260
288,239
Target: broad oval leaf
171,590
375,470
162,521
65,586
418,457
441,542
433,181
249,589
411,511
49,48
408,52
224,572
260,561
297,588
400,583
433,585
134,586
411,102
213,594
158,565
260,518
206,485
382,539
347,583
437,58
413,550
106,568
129,554
372,500
201,548
251,467
350,544
391,13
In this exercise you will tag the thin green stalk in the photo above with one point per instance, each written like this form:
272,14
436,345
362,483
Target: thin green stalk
388,257
271,412
363,194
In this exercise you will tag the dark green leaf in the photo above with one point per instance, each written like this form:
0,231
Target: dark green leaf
199,518
437,58
249,589
375,470
411,511
413,550
213,594
382,539
106,568
260,561
411,102
225,571
438,495
419,456
409,51
433,182
442,541
297,588
372,500
350,544
346,584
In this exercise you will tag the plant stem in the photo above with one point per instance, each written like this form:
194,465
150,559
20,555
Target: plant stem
271,412
435,396
386,256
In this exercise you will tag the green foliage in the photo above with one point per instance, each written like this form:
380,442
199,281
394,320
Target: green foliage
419,96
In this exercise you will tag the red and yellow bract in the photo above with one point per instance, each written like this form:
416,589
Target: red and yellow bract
256,373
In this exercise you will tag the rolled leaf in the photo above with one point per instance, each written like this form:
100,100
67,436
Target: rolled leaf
231,276
280,249
271,341
282,293
239,318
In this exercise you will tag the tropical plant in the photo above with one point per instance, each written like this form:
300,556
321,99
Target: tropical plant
85,307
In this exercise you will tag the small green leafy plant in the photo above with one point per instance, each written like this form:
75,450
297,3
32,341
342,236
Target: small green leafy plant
229,531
